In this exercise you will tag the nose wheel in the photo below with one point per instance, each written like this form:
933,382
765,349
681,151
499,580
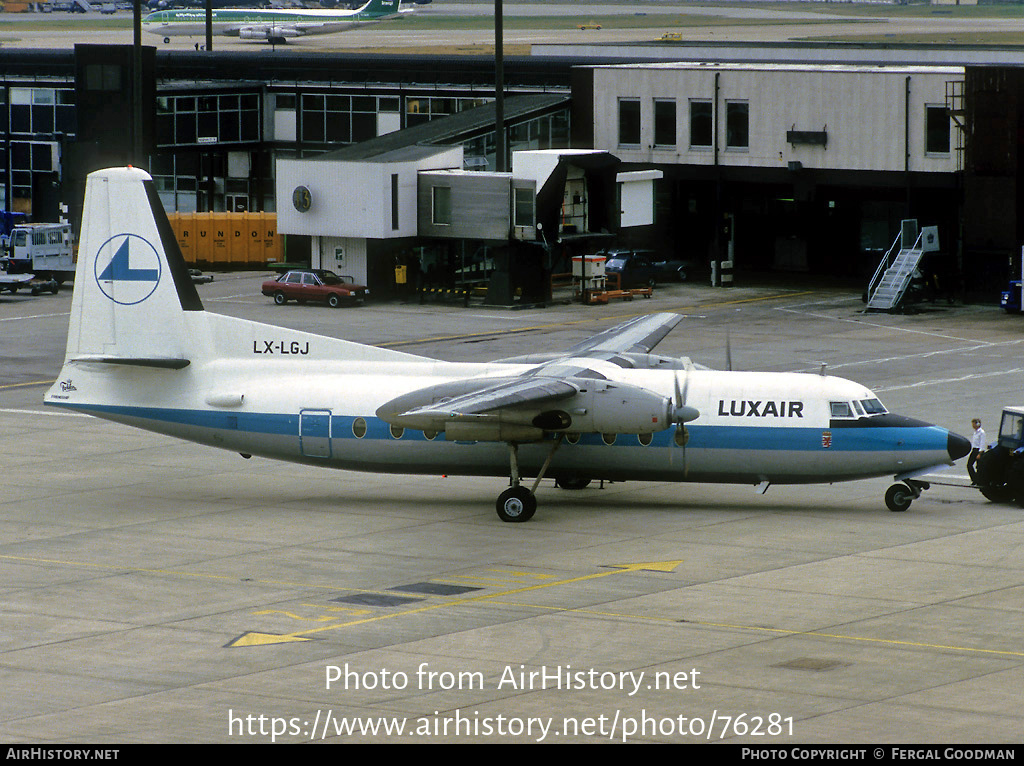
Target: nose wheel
899,496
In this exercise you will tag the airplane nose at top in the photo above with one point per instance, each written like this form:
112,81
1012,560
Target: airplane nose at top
957,446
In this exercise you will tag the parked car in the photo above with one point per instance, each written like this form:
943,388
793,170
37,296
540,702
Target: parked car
635,268
314,285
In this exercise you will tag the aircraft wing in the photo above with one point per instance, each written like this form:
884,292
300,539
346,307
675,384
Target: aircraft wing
638,335
627,345
509,392
557,392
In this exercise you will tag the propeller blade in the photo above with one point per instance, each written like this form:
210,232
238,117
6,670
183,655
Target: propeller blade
683,413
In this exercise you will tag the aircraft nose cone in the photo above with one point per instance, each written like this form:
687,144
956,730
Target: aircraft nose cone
957,446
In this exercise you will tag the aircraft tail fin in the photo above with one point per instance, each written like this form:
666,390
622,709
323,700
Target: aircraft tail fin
380,8
132,287
135,304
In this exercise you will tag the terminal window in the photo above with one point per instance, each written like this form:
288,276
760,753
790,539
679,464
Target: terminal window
737,125
700,124
441,207
936,130
629,121
664,122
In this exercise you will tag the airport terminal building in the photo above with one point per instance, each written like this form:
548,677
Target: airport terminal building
783,167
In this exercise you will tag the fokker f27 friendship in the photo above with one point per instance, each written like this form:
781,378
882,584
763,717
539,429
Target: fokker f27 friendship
142,351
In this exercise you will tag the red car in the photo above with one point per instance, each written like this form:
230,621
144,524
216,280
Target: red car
314,285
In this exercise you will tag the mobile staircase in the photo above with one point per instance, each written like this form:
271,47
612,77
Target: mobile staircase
888,286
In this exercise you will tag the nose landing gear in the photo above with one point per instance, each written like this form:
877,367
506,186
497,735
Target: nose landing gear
899,496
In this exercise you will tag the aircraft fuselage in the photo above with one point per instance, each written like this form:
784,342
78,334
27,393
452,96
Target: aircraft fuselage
753,427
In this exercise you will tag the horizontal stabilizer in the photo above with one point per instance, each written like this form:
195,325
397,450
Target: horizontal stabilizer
158,362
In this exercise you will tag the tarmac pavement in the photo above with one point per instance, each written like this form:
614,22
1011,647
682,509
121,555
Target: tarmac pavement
156,591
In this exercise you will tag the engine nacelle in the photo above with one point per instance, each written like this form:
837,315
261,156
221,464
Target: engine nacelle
266,33
599,406
618,408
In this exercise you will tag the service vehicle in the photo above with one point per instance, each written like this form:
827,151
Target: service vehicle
1001,467
43,249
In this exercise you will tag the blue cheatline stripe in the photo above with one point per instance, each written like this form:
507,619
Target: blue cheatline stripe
701,437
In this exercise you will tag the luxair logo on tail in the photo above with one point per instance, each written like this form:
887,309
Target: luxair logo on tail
128,269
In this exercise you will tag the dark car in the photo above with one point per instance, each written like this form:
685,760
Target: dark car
314,285
635,268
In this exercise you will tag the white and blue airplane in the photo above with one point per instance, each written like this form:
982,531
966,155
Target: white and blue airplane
143,351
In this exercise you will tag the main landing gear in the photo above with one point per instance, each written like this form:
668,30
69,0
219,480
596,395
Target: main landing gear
899,496
517,503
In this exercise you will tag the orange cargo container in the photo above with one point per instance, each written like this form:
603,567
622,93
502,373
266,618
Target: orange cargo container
227,240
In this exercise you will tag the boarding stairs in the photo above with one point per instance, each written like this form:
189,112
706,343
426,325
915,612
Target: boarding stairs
889,284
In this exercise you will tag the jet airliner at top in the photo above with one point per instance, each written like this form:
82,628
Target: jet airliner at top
143,351
271,25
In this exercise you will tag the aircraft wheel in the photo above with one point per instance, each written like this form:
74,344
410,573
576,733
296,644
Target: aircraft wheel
571,482
516,504
996,493
898,498
333,300
279,298
1015,481
166,40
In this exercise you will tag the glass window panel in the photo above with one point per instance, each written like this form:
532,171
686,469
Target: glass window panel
737,126
664,122
936,130
629,121
229,126
185,129
441,197
700,124
339,129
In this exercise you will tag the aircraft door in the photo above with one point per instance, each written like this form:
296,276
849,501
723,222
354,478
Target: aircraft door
315,433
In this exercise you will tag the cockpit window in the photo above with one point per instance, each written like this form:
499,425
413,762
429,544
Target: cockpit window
841,410
856,406
873,407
